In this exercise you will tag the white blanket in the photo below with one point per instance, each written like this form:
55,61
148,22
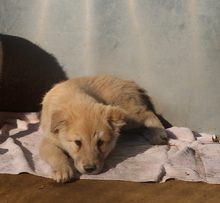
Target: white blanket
188,156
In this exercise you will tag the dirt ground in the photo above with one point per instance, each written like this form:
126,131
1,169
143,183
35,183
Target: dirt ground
29,188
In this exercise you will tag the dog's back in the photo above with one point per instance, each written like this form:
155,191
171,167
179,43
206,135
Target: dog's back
108,90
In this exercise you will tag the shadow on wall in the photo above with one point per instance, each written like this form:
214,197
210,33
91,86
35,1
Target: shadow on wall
27,72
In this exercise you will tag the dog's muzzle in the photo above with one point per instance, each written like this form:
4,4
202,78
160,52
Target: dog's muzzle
89,168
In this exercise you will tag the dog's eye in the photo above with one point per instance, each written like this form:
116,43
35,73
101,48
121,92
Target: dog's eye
100,143
78,143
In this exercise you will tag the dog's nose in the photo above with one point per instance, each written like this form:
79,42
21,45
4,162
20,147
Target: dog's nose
89,168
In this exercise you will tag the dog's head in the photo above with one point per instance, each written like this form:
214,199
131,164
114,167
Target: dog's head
88,134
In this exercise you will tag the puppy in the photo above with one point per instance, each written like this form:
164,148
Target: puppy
82,118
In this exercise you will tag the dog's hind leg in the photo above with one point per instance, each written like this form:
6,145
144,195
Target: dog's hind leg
156,128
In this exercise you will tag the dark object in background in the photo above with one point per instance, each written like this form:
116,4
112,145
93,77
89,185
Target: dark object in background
27,72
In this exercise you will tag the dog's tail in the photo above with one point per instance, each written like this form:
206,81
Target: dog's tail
165,123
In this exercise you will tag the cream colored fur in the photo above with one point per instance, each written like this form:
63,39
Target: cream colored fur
82,118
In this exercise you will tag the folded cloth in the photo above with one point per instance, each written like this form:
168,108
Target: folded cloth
188,156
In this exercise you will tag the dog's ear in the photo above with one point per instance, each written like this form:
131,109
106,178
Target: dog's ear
58,121
116,117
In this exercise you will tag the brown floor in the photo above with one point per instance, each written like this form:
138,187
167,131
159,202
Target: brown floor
28,188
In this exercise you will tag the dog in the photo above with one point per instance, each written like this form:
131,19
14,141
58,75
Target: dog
82,118
27,72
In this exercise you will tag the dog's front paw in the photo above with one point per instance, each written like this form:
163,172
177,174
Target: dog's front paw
62,174
159,138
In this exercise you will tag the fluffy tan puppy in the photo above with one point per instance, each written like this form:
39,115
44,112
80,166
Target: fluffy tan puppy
82,117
